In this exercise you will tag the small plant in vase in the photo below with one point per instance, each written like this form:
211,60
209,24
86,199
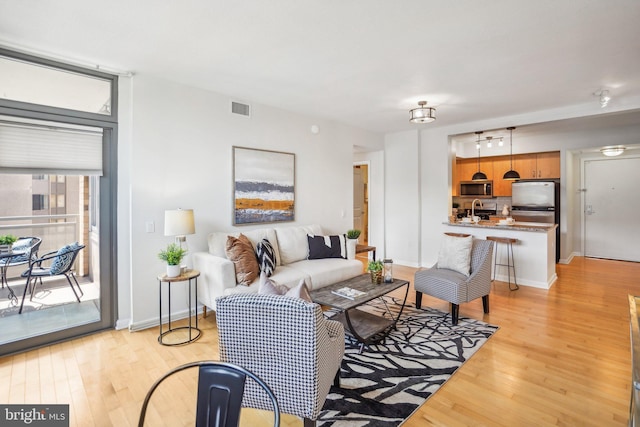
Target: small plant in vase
353,234
375,268
6,241
172,255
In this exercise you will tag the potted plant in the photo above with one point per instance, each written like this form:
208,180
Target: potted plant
375,268
353,234
6,242
172,255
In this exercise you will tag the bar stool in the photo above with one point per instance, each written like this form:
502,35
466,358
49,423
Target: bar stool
508,241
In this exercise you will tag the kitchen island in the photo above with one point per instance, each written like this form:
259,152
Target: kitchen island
534,253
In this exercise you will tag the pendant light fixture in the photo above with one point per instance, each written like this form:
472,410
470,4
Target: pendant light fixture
478,176
422,114
511,175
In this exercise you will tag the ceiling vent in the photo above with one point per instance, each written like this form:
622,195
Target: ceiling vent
242,109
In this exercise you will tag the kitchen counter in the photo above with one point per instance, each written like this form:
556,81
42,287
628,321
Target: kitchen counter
518,225
534,253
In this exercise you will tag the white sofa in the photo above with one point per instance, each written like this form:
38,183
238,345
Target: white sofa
217,273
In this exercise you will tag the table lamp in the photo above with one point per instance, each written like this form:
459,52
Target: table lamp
179,223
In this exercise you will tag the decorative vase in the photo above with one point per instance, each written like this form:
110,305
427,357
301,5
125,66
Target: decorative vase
376,277
173,270
351,248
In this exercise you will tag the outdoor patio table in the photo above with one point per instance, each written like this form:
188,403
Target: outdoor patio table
3,271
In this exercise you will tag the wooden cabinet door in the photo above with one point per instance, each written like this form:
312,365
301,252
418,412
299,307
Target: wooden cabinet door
465,170
486,166
526,165
501,187
548,165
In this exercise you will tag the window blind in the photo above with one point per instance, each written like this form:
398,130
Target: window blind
36,149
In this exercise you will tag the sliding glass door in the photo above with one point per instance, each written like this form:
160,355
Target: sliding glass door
57,184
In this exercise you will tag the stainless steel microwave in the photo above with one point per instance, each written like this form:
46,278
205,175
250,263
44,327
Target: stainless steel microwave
478,189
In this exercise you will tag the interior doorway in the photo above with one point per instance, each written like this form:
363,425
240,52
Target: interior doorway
361,201
610,209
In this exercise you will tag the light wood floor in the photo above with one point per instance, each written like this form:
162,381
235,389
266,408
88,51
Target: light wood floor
560,357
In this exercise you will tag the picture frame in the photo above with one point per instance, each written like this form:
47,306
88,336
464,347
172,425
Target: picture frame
263,186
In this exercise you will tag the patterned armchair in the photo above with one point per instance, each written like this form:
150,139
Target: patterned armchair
456,287
288,343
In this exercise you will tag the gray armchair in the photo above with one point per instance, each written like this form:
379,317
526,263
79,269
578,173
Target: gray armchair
288,343
455,287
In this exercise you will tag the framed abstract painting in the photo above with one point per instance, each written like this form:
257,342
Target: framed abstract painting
263,186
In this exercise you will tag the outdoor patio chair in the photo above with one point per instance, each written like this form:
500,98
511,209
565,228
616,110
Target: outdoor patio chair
221,387
60,264
288,343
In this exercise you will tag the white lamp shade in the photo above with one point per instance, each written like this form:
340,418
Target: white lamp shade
179,222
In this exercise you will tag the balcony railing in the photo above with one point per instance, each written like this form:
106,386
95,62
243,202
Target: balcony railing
54,230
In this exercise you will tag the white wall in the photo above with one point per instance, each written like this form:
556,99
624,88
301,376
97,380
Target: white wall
181,156
402,198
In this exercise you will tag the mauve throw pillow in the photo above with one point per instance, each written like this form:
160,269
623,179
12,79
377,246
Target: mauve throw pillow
268,286
455,254
240,251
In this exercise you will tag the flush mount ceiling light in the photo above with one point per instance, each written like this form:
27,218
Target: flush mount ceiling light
422,114
478,176
604,97
613,150
511,175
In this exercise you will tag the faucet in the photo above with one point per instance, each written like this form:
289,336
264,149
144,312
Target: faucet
473,207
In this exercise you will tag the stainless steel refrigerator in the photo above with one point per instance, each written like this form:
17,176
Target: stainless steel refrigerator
537,201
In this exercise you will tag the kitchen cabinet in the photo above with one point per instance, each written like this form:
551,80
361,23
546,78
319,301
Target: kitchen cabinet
465,168
548,164
538,165
529,166
501,165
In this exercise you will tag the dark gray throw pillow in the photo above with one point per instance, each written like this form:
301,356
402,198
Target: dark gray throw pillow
327,246
266,257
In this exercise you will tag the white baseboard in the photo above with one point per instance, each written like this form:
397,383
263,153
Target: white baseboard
406,263
153,322
531,283
568,260
122,324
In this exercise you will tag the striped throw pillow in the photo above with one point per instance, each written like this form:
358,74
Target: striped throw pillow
266,257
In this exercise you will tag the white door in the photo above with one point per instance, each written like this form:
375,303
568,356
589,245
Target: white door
612,209
358,198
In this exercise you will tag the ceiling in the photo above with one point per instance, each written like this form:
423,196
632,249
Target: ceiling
363,63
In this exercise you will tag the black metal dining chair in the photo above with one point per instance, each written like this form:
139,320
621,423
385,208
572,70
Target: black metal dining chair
61,264
220,391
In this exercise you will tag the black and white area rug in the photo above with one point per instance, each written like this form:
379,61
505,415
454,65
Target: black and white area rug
387,382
